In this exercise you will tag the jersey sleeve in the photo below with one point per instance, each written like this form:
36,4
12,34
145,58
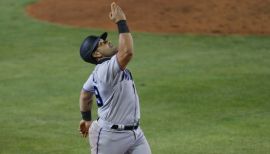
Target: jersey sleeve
89,84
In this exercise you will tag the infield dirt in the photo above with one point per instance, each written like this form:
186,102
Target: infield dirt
173,16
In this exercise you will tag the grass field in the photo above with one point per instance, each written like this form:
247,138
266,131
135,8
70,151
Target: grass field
199,94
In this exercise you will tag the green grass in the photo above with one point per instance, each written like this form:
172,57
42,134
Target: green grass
199,94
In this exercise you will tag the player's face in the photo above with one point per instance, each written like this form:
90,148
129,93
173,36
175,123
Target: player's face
106,48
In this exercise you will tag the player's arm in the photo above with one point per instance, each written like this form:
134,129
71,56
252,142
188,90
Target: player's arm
85,108
125,47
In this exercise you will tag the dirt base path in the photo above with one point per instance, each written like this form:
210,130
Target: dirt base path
172,16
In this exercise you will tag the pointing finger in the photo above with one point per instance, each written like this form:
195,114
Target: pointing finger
112,5
113,8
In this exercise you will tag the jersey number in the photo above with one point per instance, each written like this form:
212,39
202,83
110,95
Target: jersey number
98,97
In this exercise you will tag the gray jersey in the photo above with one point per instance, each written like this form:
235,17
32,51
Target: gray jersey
115,92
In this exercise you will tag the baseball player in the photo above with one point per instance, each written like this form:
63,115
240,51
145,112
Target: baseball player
117,130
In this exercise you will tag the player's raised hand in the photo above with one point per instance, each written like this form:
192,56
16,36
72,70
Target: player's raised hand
84,127
116,13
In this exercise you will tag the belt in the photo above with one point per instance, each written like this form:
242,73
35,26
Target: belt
123,127
109,125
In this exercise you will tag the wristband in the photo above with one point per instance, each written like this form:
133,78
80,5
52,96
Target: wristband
86,115
122,26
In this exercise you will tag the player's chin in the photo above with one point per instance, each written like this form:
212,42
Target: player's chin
115,50
111,54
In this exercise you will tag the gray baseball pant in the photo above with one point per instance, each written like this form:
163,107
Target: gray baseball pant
108,141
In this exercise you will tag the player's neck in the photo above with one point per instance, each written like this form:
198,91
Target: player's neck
103,59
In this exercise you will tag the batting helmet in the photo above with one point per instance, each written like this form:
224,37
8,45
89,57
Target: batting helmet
90,45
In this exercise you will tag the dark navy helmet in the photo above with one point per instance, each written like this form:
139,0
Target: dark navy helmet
89,45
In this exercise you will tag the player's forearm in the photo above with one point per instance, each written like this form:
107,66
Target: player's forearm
86,105
85,102
126,43
125,47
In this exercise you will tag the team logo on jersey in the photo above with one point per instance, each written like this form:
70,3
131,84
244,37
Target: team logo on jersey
126,75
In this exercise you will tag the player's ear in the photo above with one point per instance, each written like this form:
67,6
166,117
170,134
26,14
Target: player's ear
96,54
